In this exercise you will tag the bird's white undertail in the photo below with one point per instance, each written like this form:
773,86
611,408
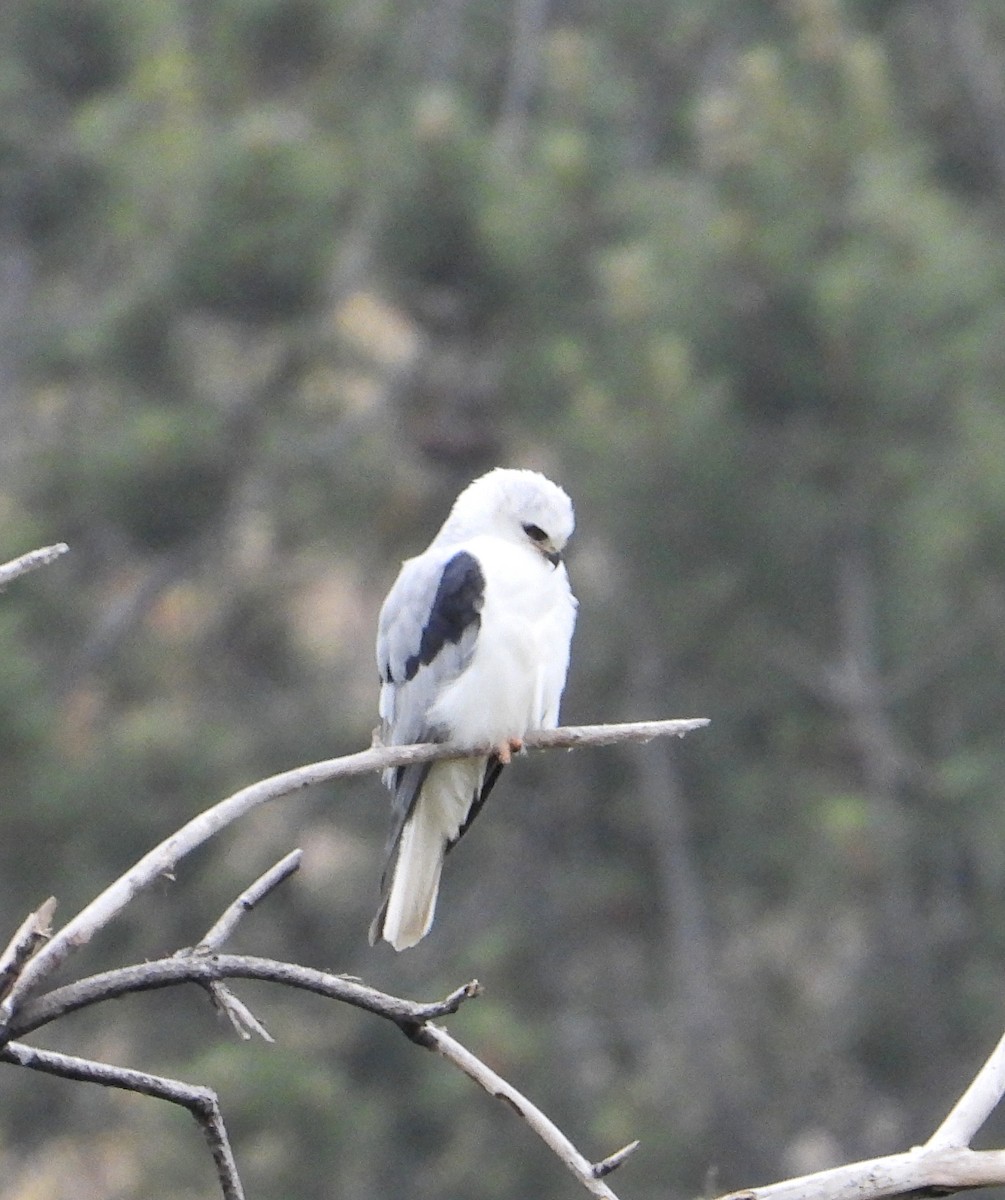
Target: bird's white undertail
440,811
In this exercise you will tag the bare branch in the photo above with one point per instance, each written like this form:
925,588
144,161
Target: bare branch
161,860
17,567
611,1163
201,1102
30,934
413,1018
568,737
208,969
211,968
246,1025
244,1021
945,1164
940,1171
974,1107
271,879
589,1174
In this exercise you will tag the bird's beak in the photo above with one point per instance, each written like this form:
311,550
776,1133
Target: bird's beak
552,556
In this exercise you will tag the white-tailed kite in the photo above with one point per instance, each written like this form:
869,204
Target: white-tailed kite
472,647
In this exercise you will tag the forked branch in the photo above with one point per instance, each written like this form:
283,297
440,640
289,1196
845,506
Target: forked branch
25,968
413,1018
163,858
921,1171
943,1165
201,1102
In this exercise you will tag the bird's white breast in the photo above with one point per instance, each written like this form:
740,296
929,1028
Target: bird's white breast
517,672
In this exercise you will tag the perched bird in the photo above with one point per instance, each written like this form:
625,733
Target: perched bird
472,647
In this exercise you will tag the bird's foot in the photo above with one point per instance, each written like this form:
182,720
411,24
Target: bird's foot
506,749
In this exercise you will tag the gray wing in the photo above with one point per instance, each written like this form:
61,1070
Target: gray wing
426,636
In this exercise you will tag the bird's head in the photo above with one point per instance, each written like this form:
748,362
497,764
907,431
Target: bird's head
518,505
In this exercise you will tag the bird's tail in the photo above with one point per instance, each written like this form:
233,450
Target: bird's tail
437,817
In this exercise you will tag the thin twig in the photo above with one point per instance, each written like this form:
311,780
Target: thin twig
203,969
30,934
9,571
611,1163
263,885
243,1020
435,1038
161,860
411,1017
974,1107
201,1102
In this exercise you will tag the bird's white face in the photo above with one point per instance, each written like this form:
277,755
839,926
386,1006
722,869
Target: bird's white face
520,506
545,520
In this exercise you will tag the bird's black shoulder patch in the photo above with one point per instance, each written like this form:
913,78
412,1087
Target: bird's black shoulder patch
456,606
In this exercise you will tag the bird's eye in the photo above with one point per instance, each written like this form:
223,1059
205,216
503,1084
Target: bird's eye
535,533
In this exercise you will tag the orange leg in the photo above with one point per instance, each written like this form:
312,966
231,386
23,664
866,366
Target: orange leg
505,750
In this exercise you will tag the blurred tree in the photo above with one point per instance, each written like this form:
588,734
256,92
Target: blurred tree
277,279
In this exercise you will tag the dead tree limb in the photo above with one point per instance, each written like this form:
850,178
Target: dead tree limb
201,1102
199,968
920,1171
974,1107
23,1011
943,1165
221,929
413,1018
244,1021
29,935
591,1175
162,859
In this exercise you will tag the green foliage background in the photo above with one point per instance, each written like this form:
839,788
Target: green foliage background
277,277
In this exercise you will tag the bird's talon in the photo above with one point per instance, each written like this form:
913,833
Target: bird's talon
505,750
